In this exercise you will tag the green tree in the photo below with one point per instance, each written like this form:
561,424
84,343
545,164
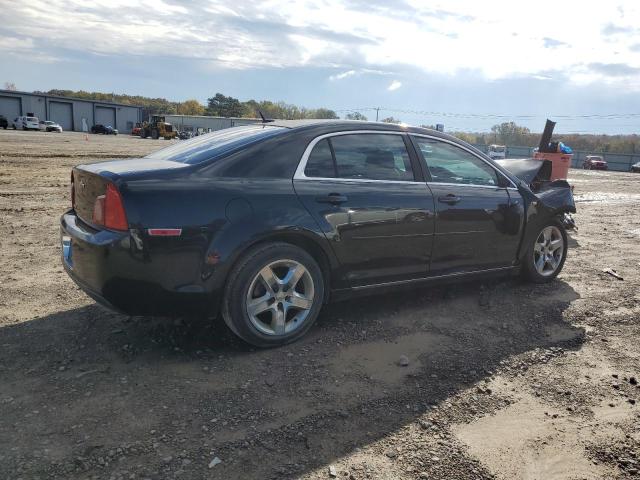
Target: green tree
466,137
321,113
190,107
508,133
223,106
355,116
391,120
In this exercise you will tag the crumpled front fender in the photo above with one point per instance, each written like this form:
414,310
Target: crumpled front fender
557,196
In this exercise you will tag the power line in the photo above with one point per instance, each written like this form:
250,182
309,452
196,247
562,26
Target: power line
592,116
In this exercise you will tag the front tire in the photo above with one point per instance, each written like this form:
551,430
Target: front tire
546,254
274,295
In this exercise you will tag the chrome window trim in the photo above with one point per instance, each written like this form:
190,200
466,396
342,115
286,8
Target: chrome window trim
474,185
430,137
358,180
302,164
299,174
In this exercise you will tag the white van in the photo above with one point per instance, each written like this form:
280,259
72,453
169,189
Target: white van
26,123
497,151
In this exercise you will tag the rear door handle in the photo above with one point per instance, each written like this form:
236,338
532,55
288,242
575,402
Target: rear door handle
451,199
332,198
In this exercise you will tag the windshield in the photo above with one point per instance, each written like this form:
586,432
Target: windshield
32,119
211,145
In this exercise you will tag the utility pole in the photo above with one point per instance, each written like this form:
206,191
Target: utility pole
377,110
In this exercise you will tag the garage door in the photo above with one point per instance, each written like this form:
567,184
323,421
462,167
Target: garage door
61,113
10,107
106,116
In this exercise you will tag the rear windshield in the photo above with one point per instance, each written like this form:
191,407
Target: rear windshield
32,119
212,145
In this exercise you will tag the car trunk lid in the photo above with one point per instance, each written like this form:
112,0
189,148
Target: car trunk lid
91,181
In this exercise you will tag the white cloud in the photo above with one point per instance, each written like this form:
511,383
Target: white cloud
496,39
394,85
340,76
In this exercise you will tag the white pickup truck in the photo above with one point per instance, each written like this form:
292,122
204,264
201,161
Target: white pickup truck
497,151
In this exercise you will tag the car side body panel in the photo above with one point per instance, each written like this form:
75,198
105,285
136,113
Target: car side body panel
223,208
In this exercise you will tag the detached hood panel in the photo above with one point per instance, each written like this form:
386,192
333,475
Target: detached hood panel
528,170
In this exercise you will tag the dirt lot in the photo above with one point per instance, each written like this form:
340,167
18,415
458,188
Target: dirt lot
505,379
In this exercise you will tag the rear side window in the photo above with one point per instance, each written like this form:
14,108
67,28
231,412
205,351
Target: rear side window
320,163
361,156
216,144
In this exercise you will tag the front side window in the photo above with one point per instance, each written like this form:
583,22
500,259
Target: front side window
363,156
450,164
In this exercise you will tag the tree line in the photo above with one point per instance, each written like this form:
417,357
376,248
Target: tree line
219,105
509,133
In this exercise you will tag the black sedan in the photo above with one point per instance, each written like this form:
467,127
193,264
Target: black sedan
104,130
263,224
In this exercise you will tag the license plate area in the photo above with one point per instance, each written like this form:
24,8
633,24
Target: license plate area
67,250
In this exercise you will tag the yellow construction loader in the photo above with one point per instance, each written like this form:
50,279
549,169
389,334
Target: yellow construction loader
157,127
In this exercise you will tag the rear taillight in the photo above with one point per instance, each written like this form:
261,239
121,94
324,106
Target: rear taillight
108,210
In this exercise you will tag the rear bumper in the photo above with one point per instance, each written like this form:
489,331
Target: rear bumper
112,270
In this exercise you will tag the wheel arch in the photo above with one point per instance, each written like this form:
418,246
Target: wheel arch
305,240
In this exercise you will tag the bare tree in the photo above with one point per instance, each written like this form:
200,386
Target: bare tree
10,86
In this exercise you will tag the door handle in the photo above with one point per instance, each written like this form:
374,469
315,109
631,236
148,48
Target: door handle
451,199
332,198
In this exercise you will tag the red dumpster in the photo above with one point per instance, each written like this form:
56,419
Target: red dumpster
560,163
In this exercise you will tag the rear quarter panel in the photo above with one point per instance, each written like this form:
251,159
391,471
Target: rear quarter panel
219,218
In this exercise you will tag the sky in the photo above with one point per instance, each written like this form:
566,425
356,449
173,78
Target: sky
467,64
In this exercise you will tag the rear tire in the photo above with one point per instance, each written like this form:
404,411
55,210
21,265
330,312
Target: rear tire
274,295
154,134
546,253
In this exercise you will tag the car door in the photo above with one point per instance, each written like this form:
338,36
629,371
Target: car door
479,212
366,192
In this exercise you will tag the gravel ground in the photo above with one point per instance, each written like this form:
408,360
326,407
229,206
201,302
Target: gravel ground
504,379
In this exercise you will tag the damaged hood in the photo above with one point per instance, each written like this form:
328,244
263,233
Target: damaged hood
555,195
528,170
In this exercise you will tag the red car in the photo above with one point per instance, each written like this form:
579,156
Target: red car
594,162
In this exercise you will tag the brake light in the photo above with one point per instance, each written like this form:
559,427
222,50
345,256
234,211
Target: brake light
108,209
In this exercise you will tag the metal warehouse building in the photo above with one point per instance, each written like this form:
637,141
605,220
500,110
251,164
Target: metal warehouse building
70,113
195,123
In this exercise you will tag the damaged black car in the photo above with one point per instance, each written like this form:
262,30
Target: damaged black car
264,224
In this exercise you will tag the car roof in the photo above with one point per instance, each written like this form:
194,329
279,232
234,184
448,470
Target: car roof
337,125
